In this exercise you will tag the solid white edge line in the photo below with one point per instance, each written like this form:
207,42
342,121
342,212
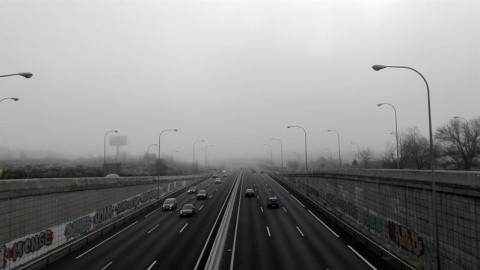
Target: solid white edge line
154,262
183,228
323,223
81,255
106,266
361,257
153,229
268,231
298,201
300,231
236,228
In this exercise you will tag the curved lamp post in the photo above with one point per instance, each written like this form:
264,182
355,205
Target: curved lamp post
358,148
105,150
26,75
396,130
339,155
306,158
432,160
159,158
148,155
281,150
193,159
12,98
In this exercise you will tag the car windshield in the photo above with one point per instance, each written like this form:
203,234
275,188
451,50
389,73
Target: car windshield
202,191
169,200
187,207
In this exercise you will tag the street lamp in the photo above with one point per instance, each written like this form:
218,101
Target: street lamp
148,155
396,130
432,160
358,148
105,150
339,155
206,149
281,150
26,75
193,160
306,159
271,154
159,166
12,98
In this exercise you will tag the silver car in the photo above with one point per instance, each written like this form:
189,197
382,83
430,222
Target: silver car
169,204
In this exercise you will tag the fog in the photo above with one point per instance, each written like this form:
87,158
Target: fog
232,73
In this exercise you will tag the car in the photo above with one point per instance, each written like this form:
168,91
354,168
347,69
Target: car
218,181
112,175
214,175
187,210
192,190
225,175
262,172
249,193
202,195
169,204
272,202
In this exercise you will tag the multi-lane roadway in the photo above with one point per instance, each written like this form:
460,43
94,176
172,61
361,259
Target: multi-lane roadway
294,236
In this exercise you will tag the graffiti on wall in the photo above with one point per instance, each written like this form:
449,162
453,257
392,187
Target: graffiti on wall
406,238
372,221
345,207
78,227
103,215
29,245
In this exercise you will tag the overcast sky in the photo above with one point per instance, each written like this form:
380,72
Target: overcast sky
234,73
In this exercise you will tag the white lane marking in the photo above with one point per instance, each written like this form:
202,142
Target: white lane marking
323,223
193,197
361,257
270,189
284,209
106,266
200,208
300,231
152,212
81,255
152,229
258,197
216,189
298,201
154,262
268,231
261,209
210,196
183,228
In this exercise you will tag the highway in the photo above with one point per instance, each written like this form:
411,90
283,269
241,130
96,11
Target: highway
294,236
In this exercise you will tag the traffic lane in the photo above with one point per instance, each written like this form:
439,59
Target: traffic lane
320,227
253,249
108,246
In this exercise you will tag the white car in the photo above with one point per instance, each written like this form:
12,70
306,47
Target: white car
218,181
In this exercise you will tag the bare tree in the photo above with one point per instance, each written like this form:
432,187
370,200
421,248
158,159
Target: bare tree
460,141
388,158
416,149
365,156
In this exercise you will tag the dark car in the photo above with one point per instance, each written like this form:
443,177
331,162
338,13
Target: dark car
202,195
249,193
187,210
273,202
192,190
169,204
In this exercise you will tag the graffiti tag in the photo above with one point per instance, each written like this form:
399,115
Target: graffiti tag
405,238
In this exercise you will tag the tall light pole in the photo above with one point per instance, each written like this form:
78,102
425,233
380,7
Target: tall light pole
339,155
159,166
148,155
306,158
396,130
271,155
193,160
206,149
432,161
105,150
358,148
281,150
12,98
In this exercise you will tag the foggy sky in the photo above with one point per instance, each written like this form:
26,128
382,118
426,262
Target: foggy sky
234,73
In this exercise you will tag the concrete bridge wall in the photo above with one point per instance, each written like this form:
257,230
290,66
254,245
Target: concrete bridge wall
394,209
39,215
